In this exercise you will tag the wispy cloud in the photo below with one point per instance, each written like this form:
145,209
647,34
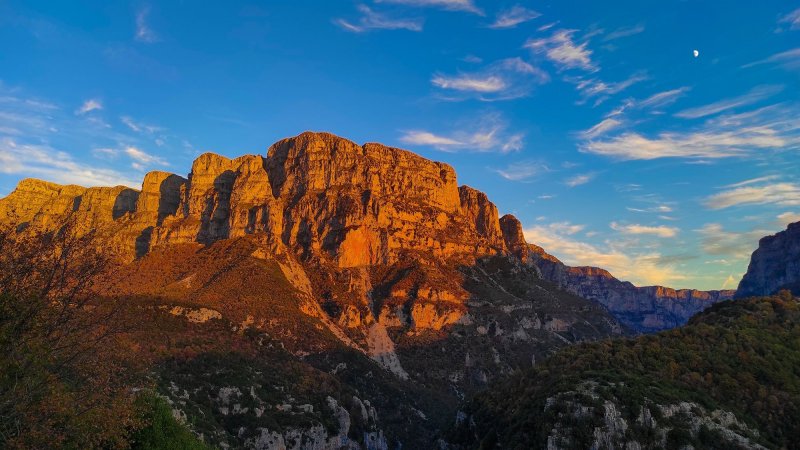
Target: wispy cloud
636,229
579,179
640,267
752,181
449,5
655,101
624,32
488,134
473,83
143,31
601,90
791,20
54,165
503,80
522,171
142,157
37,138
601,128
373,20
755,95
716,240
786,218
139,127
563,51
89,106
662,99
784,194
789,59
654,209
514,16
723,137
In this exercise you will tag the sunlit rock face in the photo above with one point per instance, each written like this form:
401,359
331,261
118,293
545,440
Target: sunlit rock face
318,194
330,248
335,204
774,265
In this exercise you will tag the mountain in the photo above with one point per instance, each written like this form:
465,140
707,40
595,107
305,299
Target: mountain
774,265
325,295
645,309
726,380
331,294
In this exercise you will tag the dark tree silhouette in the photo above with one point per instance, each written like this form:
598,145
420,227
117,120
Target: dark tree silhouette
65,376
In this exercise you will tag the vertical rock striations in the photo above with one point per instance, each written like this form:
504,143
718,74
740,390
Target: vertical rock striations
331,202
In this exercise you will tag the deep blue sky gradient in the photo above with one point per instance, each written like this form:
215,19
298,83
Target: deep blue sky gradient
675,193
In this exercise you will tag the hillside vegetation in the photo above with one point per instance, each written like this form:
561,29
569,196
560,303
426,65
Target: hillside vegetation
730,378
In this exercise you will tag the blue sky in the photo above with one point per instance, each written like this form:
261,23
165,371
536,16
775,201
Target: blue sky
594,122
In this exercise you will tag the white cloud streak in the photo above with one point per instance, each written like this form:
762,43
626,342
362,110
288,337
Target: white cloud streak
789,59
488,84
755,95
601,128
727,136
791,20
783,194
637,229
662,99
57,166
522,171
488,134
561,50
449,5
514,16
784,219
143,31
502,80
641,268
715,240
89,106
578,180
140,127
373,20
142,157
624,32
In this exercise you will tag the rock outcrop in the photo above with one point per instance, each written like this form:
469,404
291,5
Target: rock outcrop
317,194
645,309
774,265
366,266
332,202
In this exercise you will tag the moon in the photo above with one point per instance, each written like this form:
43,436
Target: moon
696,53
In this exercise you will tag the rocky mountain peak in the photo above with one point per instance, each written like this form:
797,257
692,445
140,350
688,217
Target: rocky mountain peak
327,199
774,265
514,237
317,194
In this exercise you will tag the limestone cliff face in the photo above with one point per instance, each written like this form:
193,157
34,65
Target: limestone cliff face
335,205
645,309
514,238
775,265
319,195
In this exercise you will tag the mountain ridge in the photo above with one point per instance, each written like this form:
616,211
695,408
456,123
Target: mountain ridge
367,266
322,195
644,308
